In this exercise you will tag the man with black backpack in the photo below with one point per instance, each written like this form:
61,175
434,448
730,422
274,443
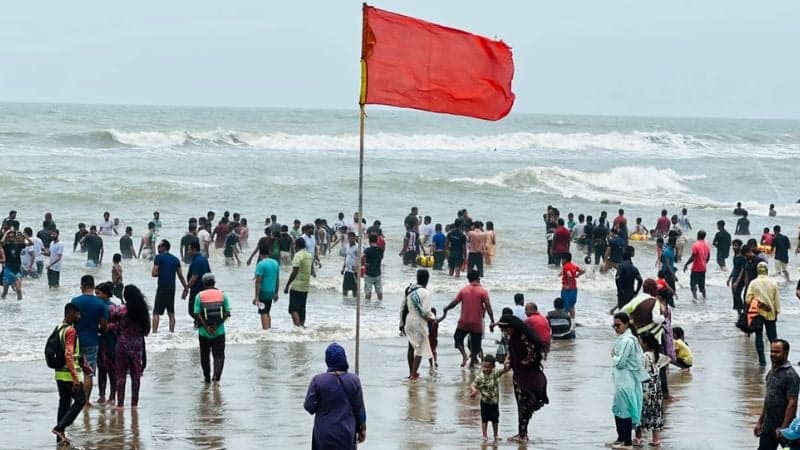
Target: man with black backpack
63,353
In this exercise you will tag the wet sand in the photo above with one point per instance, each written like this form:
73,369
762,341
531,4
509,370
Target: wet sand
259,402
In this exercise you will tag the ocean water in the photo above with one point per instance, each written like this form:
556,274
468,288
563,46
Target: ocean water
80,160
77,161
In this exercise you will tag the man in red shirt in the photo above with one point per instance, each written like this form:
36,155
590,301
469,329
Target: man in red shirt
539,324
620,221
569,284
475,304
662,225
701,252
561,240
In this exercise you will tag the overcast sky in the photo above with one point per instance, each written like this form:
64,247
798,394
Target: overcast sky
730,58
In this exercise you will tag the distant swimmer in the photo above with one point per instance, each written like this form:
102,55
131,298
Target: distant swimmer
739,211
743,225
772,212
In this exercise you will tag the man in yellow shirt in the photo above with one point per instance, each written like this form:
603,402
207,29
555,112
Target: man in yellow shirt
764,291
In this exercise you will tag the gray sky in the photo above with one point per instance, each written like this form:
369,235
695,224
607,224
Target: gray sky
632,57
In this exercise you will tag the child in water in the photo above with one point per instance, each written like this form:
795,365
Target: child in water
487,383
433,339
683,354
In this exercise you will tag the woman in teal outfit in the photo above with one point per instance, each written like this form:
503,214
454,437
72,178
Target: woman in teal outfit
628,374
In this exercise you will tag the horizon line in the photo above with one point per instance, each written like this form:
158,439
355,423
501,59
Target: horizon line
355,109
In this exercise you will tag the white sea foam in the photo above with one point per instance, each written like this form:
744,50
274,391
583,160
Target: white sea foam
661,143
624,185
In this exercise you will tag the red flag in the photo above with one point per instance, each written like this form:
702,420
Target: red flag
411,63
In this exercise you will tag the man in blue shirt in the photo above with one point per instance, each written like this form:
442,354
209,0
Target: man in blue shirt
438,242
266,286
197,268
94,319
165,267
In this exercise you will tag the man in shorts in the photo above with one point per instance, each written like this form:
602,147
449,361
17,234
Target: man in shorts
701,253
165,267
372,258
456,248
266,286
93,321
781,245
299,281
569,284
14,243
475,303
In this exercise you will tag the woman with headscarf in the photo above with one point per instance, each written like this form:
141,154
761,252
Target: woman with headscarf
628,373
336,400
132,327
525,354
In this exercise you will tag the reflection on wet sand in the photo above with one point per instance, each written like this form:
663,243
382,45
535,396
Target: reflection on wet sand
208,426
259,403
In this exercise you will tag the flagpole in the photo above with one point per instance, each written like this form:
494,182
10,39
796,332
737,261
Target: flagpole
360,225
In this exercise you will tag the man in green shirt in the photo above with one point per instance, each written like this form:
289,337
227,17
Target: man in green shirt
212,308
299,280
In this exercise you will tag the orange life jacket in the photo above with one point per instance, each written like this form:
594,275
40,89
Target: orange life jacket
752,311
211,304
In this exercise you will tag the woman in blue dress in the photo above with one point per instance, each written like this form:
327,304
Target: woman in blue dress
628,373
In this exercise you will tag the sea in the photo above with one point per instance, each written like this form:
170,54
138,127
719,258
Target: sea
78,161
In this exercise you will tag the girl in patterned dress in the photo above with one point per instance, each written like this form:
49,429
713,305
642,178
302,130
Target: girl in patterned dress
652,406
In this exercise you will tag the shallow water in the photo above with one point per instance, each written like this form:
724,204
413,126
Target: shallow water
302,164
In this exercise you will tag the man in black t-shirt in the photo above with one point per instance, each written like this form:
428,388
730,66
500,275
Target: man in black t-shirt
722,241
11,221
14,244
93,244
126,247
186,241
456,248
627,276
781,245
372,257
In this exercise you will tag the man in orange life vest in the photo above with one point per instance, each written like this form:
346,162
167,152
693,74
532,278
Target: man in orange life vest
212,308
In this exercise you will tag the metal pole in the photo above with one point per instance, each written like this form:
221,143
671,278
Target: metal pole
362,115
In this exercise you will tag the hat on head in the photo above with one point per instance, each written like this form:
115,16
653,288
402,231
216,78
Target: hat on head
762,268
209,278
792,432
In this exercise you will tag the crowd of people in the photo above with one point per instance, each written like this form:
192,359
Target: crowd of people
647,343
104,339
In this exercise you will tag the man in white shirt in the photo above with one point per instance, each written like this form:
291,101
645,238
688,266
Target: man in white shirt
106,226
204,236
33,255
56,253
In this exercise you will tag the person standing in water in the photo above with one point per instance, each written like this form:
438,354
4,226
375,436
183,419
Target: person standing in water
212,308
474,300
69,378
336,400
699,261
628,373
722,241
414,319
